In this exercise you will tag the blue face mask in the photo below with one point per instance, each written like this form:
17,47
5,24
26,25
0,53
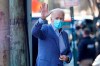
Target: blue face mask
58,24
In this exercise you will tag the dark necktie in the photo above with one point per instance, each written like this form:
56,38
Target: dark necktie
59,30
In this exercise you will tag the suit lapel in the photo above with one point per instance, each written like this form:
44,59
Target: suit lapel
54,35
66,41
64,37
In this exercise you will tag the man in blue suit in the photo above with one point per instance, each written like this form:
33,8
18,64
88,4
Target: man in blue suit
53,43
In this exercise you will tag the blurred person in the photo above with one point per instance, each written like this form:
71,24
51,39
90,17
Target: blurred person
86,49
93,36
79,32
98,39
96,61
53,43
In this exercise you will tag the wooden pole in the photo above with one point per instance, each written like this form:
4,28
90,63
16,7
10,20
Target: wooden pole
4,33
18,34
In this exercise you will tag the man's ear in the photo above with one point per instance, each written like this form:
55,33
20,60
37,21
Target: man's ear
51,19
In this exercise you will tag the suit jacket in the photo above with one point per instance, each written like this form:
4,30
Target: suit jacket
86,49
48,45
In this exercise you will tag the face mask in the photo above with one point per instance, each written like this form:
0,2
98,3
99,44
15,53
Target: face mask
58,24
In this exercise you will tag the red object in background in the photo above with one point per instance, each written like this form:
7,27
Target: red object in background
36,6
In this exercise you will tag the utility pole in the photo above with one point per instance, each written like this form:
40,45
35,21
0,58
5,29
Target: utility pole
98,6
29,12
73,43
4,33
18,33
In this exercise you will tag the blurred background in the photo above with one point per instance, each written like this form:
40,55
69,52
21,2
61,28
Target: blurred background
17,45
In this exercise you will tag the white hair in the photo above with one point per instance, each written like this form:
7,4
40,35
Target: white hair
55,10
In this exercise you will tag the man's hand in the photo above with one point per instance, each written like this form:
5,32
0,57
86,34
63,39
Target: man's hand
64,58
44,11
78,62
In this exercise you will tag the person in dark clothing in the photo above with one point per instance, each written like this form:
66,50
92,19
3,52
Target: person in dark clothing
86,48
98,47
98,39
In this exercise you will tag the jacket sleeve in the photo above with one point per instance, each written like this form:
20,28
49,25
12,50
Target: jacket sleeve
39,29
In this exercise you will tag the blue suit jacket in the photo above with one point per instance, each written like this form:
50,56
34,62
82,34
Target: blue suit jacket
48,45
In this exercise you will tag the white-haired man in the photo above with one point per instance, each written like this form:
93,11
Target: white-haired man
53,45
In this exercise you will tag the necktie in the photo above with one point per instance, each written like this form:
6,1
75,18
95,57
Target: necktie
59,30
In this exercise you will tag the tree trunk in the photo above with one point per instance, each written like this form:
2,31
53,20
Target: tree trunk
4,33
18,33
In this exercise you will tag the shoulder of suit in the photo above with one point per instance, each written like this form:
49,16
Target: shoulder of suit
64,31
45,26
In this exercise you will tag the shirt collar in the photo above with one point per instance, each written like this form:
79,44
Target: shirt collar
53,27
